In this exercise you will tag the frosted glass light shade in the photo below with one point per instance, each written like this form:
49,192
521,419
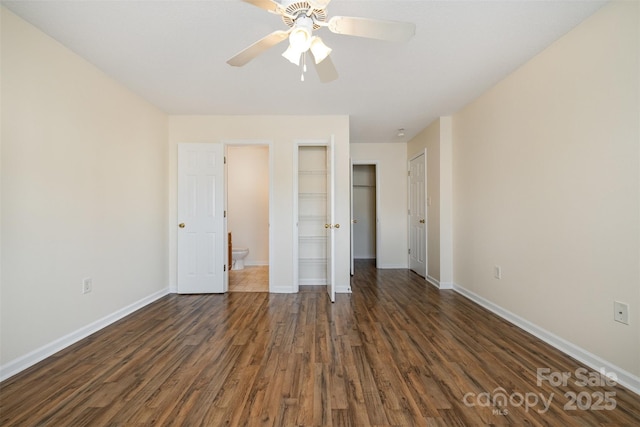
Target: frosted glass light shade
293,55
319,50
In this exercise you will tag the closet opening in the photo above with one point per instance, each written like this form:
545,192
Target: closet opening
365,214
312,215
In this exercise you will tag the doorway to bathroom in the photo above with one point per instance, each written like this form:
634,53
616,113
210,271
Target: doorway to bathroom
248,194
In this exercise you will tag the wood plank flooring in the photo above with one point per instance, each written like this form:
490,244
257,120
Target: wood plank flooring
252,278
396,352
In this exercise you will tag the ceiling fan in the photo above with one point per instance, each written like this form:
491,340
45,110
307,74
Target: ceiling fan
303,17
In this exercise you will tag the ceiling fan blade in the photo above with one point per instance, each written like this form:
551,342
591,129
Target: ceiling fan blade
257,48
318,4
326,70
372,28
267,5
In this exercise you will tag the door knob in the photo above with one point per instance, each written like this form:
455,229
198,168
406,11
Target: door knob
337,226
327,226
422,221
181,225
355,221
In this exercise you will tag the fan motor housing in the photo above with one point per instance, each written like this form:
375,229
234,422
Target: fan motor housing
297,8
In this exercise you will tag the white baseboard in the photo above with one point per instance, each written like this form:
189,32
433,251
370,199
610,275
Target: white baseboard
435,282
280,289
438,284
343,289
392,266
20,364
446,285
312,282
289,289
624,378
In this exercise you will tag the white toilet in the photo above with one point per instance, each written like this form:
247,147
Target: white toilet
238,255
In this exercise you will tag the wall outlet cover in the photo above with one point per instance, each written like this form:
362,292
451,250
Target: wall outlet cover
86,285
621,312
497,272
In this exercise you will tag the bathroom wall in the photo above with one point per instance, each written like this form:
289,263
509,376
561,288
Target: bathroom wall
248,200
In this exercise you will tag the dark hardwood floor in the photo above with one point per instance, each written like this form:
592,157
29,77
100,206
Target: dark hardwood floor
395,352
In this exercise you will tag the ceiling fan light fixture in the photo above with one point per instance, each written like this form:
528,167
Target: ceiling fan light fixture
319,50
300,37
293,55
305,16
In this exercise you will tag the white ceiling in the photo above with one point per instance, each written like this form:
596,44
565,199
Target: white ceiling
173,53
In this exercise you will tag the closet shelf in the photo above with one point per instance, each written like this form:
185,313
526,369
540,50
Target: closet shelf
313,239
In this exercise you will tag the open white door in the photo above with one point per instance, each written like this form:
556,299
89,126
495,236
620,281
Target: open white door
417,215
331,225
201,219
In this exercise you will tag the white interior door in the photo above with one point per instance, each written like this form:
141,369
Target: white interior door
417,215
201,222
331,226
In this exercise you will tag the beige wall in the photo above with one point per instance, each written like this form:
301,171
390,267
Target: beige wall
248,200
546,185
391,160
282,132
83,194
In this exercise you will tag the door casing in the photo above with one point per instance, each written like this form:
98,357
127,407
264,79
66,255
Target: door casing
377,207
269,144
329,144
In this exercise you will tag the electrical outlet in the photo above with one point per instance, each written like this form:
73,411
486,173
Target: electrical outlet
497,272
87,285
621,312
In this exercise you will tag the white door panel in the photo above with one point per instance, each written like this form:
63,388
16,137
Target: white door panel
417,215
201,222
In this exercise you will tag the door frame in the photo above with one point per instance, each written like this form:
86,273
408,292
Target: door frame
255,142
296,247
376,168
426,212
